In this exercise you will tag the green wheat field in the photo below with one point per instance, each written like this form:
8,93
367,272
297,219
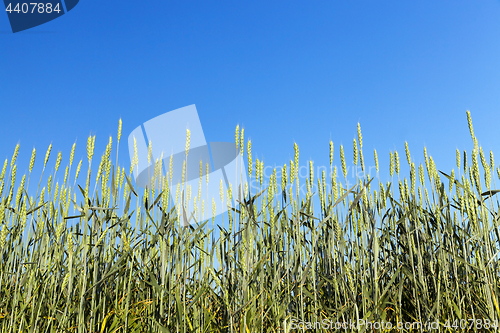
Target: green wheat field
94,253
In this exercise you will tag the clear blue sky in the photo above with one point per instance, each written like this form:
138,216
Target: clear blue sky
288,71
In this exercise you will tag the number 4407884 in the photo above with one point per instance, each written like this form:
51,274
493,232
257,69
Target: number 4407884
33,7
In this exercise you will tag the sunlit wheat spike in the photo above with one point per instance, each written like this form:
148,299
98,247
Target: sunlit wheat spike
188,141
261,172
413,178
2,175
375,157
183,171
90,148
237,137
360,137
150,152
72,154
342,161
407,151
32,160
311,172
421,175
396,162
257,169
249,158
58,161
469,121
391,164
355,152
47,154
213,207
452,180
119,130
483,159
78,170
284,177
296,156
242,142
14,156
331,153
465,162
3,236
20,190
292,172
492,161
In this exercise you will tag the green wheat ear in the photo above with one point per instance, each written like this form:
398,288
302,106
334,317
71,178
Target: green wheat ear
396,162
376,159
32,160
458,159
407,151
355,151
249,156
331,153
469,121
47,155
342,161
391,164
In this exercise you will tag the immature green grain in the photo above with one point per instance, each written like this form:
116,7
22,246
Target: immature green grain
311,173
261,172
292,172
213,208
58,161
396,162
119,131
469,120
150,152
465,162
334,184
355,151
492,161
20,190
331,153
342,161
475,170
183,171
407,151
284,178
421,175
375,156
2,175
78,170
66,174
14,156
90,148
47,154
413,177
391,164
32,160
237,137
3,236
188,141
483,159
249,158
72,154
257,169
452,180
458,159
242,141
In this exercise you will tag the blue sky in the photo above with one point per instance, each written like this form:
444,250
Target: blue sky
288,71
